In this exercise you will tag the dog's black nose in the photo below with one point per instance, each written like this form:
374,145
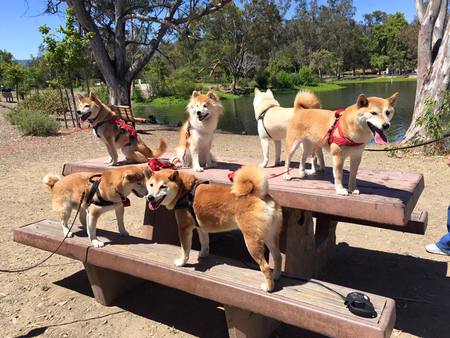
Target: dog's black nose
386,126
78,111
150,198
199,113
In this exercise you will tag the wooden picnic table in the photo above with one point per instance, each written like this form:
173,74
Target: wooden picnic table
387,200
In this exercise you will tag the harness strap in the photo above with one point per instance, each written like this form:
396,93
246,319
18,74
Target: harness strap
340,140
98,125
101,202
261,118
187,202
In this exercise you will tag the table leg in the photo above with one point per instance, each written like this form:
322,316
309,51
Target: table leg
305,251
246,324
108,285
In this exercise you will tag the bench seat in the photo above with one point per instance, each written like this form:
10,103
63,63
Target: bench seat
227,281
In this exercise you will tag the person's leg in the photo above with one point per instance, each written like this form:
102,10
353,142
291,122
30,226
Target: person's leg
444,242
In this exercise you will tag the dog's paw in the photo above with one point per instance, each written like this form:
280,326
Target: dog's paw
263,164
98,244
310,172
109,161
355,192
180,262
342,191
68,234
287,177
203,253
124,233
267,288
302,173
198,169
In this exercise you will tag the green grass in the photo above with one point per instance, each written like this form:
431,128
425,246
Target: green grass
176,100
384,79
321,87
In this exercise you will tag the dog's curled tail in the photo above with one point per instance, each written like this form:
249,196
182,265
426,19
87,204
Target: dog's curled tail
249,180
50,180
306,100
162,147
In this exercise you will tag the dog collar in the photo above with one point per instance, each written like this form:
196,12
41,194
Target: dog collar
340,140
187,201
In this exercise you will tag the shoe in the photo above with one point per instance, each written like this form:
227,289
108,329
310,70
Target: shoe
432,248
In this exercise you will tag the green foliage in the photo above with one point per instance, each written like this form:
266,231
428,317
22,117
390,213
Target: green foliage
306,77
48,101
137,95
282,79
436,123
33,122
101,92
262,78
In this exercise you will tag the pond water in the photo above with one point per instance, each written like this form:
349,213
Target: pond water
239,117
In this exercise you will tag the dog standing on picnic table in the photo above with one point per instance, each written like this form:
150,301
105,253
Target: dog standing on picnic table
344,133
115,133
209,207
196,134
102,193
273,120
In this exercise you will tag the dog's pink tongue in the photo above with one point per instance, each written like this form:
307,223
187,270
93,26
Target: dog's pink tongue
151,207
379,138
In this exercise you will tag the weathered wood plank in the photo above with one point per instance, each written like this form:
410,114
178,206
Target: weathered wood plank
387,197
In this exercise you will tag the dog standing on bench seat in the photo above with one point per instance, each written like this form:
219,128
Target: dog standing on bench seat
115,133
101,195
217,208
196,134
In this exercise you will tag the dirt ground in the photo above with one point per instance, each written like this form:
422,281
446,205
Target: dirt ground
55,300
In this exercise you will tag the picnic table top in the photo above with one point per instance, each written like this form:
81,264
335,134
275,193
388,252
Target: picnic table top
387,197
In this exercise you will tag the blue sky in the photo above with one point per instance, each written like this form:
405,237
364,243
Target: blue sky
20,19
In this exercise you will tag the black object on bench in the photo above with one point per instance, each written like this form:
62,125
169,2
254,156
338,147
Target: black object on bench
249,311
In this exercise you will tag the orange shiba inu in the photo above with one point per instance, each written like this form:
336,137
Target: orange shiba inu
196,134
115,136
110,194
349,132
217,208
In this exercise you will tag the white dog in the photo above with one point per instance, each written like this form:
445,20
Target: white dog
273,121
196,134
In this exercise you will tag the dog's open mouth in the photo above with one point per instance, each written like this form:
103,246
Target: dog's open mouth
202,117
153,205
85,116
378,134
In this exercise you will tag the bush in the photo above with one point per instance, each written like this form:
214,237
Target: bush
306,77
48,101
33,122
137,95
282,79
102,93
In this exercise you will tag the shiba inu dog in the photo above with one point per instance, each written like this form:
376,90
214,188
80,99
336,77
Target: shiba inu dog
344,133
217,208
102,193
273,120
115,133
196,134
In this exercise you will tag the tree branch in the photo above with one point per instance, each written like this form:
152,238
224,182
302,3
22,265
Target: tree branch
438,31
420,10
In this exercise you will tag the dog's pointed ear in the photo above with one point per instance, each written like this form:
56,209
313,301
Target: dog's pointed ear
257,91
79,97
212,95
393,99
362,101
93,96
148,173
133,176
268,91
174,175
195,93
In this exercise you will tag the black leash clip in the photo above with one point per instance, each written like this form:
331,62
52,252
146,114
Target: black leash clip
360,305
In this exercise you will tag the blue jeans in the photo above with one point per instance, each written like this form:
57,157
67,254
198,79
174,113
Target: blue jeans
444,242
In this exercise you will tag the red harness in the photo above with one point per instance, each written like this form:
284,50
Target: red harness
340,140
124,126
156,164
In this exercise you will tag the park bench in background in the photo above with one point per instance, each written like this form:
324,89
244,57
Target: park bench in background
387,201
8,96
126,113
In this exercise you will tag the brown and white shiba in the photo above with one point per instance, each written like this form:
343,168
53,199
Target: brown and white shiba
102,120
114,187
217,208
368,118
196,134
273,120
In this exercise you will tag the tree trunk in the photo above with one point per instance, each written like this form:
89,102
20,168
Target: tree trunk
120,93
233,83
433,73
